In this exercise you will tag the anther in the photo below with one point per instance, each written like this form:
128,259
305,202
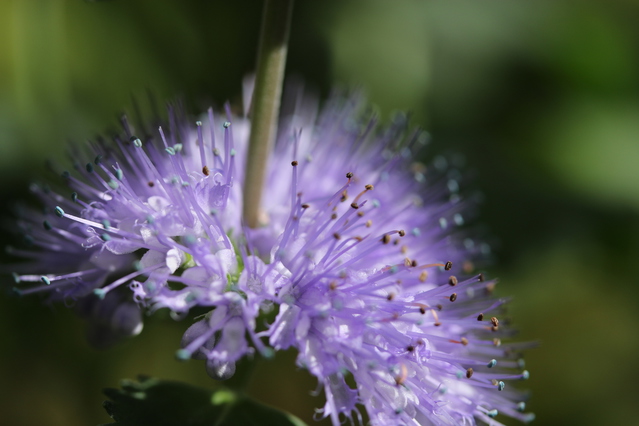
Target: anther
344,196
437,324
464,341
337,236
494,328
136,141
469,373
349,175
439,307
151,184
492,363
452,280
119,174
47,225
521,406
496,342
59,212
294,163
390,296
100,293
227,124
332,285
525,375
423,276
402,233
410,348
492,413
369,223
413,263
453,297
355,205
407,262
480,317
98,159
369,187
45,280
481,278
468,267
105,237
422,309
494,321
501,385
334,216
401,378
65,175
206,170
89,167
360,213
448,266
305,206
386,239
74,196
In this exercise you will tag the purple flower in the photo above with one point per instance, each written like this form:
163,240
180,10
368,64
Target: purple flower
359,261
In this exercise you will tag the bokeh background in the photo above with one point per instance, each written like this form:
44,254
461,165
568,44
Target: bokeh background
540,97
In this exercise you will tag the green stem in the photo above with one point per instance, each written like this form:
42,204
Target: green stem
271,61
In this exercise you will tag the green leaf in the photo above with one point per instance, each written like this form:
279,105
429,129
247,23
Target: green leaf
166,403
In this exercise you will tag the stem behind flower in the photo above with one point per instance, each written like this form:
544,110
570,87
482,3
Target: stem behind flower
271,61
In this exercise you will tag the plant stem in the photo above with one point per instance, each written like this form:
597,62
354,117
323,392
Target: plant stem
271,61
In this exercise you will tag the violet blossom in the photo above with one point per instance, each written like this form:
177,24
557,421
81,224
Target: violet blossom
361,260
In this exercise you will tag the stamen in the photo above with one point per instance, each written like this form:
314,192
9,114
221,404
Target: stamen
354,204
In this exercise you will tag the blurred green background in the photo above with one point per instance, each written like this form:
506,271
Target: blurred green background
541,98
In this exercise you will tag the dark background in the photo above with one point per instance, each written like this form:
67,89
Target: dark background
540,97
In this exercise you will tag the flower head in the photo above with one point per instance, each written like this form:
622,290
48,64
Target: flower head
359,261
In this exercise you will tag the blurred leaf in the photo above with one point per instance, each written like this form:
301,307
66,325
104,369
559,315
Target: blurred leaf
167,403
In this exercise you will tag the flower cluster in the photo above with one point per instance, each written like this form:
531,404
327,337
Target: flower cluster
359,261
